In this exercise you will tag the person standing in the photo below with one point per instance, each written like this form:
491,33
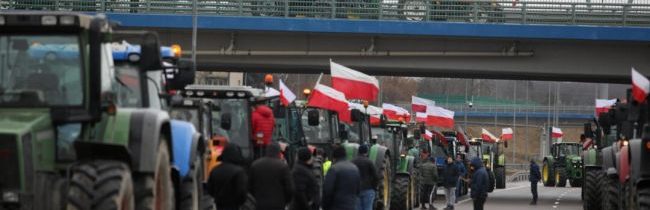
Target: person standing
534,178
478,183
270,180
342,183
428,174
307,192
463,171
450,176
262,124
227,183
369,179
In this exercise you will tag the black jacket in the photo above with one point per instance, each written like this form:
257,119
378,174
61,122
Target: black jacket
480,178
342,186
306,187
450,175
368,172
534,175
270,183
227,183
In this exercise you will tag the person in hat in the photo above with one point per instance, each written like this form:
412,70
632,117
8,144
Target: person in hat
342,183
307,193
369,178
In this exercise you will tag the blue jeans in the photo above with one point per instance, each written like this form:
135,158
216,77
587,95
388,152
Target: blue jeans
366,199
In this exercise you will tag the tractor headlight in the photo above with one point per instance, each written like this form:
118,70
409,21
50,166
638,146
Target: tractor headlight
48,20
10,197
574,161
67,20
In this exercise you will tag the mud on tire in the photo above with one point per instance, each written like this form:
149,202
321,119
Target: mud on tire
400,195
155,191
100,185
383,199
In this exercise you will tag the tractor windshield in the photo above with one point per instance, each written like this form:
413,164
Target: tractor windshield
189,114
40,70
381,135
239,132
127,87
317,134
569,149
474,151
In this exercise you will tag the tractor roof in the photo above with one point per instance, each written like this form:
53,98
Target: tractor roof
46,19
221,91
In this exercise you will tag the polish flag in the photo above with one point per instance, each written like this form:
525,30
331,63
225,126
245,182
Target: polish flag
556,133
588,142
286,96
506,133
428,135
603,105
393,112
460,135
330,99
354,84
438,116
487,136
420,104
271,92
640,86
372,111
421,117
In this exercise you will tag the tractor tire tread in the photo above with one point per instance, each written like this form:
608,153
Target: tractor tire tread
399,196
592,193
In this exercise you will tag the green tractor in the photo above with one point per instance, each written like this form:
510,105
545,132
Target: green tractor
592,194
65,140
404,194
564,163
493,156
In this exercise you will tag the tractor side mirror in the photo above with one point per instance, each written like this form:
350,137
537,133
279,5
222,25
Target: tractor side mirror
357,115
226,121
312,117
150,52
343,133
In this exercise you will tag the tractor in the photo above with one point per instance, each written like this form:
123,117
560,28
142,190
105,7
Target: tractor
65,141
146,88
594,175
404,194
627,182
564,163
493,158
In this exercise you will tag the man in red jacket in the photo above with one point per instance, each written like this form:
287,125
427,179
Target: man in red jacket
263,123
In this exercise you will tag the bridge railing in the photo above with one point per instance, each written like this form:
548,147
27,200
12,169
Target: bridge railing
565,12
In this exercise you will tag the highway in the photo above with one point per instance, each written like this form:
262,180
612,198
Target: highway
518,196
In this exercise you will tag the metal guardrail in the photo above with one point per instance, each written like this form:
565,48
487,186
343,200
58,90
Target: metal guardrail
569,12
518,177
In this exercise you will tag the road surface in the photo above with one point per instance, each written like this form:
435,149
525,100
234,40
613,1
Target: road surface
518,196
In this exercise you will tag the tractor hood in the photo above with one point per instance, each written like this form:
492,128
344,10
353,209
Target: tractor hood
20,121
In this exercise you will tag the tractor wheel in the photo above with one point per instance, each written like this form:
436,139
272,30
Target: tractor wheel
643,192
500,176
560,177
610,196
192,188
101,185
491,181
547,175
413,191
592,192
382,200
155,191
575,182
49,189
400,196
207,203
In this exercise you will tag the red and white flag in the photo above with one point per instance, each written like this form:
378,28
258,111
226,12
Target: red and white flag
588,142
438,116
271,92
393,112
420,104
556,133
421,117
327,98
372,111
428,135
640,86
460,135
286,96
487,136
506,133
354,84
603,105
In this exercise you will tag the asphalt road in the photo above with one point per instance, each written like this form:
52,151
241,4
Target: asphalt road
517,196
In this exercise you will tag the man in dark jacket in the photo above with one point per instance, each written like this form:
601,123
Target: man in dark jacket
227,183
463,171
270,180
428,174
534,177
450,176
369,179
262,124
307,193
479,183
342,183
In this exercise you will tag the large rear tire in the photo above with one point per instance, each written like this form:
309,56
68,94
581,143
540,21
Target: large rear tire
192,189
155,191
560,177
383,199
399,199
500,176
100,185
49,189
644,197
548,177
592,193
491,181
610,196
